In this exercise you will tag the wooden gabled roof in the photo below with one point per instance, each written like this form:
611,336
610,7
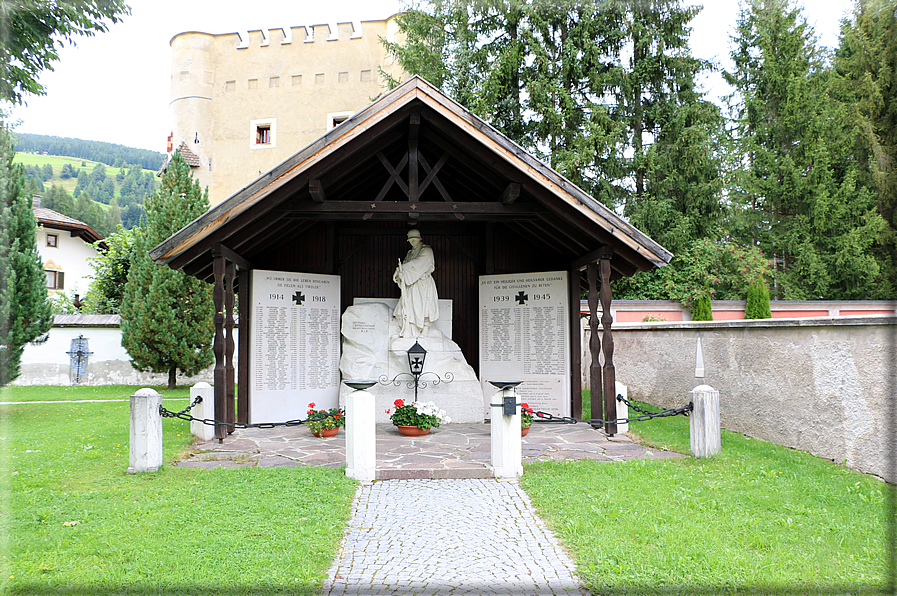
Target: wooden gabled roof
413,155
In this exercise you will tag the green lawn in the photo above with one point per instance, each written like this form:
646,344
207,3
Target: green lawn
74,522
757,519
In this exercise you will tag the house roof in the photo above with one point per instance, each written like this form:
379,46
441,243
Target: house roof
361,171
191,158
57,221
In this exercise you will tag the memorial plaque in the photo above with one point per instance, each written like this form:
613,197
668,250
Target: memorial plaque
295,344
524,337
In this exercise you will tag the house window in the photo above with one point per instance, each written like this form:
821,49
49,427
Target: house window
54,280
263,133
52,240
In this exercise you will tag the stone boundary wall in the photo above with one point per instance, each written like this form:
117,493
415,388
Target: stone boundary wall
824,385
109,364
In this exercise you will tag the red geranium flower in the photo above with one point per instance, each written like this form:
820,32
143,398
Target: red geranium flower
387,410
525,407
311,405
399,403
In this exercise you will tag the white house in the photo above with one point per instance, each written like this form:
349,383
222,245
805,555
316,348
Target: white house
64,247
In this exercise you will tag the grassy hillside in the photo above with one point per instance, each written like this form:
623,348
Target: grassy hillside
57,162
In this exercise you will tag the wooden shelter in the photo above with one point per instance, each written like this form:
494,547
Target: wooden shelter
414,157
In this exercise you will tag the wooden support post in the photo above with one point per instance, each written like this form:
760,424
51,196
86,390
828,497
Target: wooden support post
575,344
243,364
218,346
594,344
230,271
610,376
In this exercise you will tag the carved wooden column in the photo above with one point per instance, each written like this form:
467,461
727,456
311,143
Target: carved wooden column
230,272
573,290
218,346
610,376
243,364
594,343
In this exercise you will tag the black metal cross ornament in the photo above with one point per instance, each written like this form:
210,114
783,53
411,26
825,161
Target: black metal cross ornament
298,298
521,298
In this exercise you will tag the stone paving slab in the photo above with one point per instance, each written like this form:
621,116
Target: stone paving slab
454,537
452,451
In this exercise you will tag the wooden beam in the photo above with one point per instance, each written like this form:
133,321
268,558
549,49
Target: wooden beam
230,272
393,176
588,258
510,194
413,129
436,182
231,256
489,207
244,349
218,346
575,323
595,383
316,191
610,390
431,173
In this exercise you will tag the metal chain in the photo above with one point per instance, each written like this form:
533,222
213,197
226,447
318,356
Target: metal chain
182,415
646,415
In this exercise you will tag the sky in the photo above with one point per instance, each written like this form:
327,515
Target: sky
114,87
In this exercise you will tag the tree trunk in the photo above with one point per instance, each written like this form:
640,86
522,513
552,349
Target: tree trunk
172,378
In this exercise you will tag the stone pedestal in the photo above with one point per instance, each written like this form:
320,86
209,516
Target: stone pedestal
507,452
622,409
372,350
704,422
204,410
145,436
361,440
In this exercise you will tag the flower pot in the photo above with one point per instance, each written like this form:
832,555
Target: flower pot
325,432
524,430
413,431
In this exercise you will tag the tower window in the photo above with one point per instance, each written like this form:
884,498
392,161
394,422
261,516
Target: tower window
263,135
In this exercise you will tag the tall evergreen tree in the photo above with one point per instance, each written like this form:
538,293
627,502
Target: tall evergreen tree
797,193
167,316
25,312
866,82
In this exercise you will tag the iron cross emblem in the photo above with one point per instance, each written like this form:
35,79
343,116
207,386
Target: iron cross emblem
521,298
298,298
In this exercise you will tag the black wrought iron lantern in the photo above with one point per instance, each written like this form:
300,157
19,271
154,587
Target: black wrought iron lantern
416,356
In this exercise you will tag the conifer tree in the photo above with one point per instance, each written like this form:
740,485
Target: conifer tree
25,313
866,83
703,310
797,192
167,316
757,304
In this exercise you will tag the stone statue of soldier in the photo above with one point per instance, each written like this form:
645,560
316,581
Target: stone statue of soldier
418,306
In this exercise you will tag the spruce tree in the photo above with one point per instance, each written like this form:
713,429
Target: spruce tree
167,316
866,82
25,313
797,193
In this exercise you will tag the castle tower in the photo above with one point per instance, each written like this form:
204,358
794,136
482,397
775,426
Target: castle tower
245,102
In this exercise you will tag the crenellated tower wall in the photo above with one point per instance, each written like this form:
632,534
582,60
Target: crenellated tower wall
244,102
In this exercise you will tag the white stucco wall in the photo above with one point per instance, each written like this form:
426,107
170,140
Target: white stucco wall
70,255
109,364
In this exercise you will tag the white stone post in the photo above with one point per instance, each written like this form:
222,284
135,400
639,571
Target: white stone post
145,437
361,437
622,409
704,422
204,410
506,440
